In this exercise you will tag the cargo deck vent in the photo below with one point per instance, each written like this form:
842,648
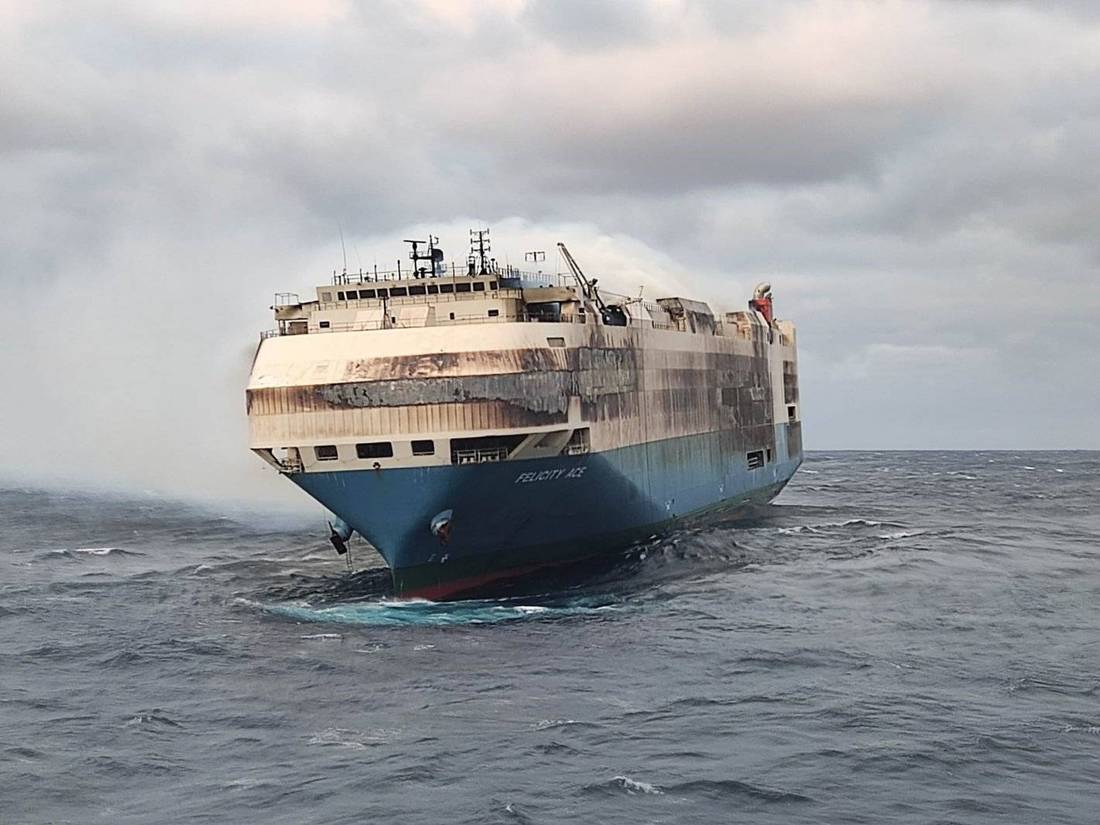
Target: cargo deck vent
484,448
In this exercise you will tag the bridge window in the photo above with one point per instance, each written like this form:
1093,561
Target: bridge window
374,449
492,284
418,290
366,293
339,296
433,289
423,447
326,452
479,286
398,292
463,287
446,289
326,296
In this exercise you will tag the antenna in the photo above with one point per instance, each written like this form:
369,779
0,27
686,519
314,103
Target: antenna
534,256
479,248
342,247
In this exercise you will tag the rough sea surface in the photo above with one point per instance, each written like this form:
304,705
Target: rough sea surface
901,637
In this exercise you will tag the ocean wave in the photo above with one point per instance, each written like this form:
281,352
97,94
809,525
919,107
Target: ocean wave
553,724
152,719
396,613
625,784
76,553
900,534
353,739
732,788
835,525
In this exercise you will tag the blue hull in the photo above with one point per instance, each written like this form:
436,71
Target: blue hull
516,516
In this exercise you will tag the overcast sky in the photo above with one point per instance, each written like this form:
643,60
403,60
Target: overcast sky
920,181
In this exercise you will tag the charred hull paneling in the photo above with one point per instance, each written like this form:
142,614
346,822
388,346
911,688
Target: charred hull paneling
517,515
630,386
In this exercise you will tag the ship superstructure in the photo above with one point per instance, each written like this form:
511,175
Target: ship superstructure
476,422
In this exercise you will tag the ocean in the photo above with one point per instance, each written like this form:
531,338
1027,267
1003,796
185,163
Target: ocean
901,637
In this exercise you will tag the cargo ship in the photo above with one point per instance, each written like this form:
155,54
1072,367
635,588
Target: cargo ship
477,423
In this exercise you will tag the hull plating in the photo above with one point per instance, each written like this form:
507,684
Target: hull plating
512,517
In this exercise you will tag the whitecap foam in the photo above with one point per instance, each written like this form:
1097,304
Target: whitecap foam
635,786
817,528
395,613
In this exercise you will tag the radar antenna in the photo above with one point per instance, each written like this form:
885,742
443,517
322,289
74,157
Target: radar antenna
434,256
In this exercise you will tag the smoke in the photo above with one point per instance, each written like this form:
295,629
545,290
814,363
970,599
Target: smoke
915,179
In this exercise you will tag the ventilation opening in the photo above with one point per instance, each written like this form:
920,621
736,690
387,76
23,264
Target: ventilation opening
549,311
493,313
324,325
326,452
423,448
579,442
485,448
374,449
755,459
556,342
790,412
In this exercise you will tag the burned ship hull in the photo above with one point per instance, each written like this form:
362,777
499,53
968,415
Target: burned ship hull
469,452
512,518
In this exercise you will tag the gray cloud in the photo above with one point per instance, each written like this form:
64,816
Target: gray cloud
917,179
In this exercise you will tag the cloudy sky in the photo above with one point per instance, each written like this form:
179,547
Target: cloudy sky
919,180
